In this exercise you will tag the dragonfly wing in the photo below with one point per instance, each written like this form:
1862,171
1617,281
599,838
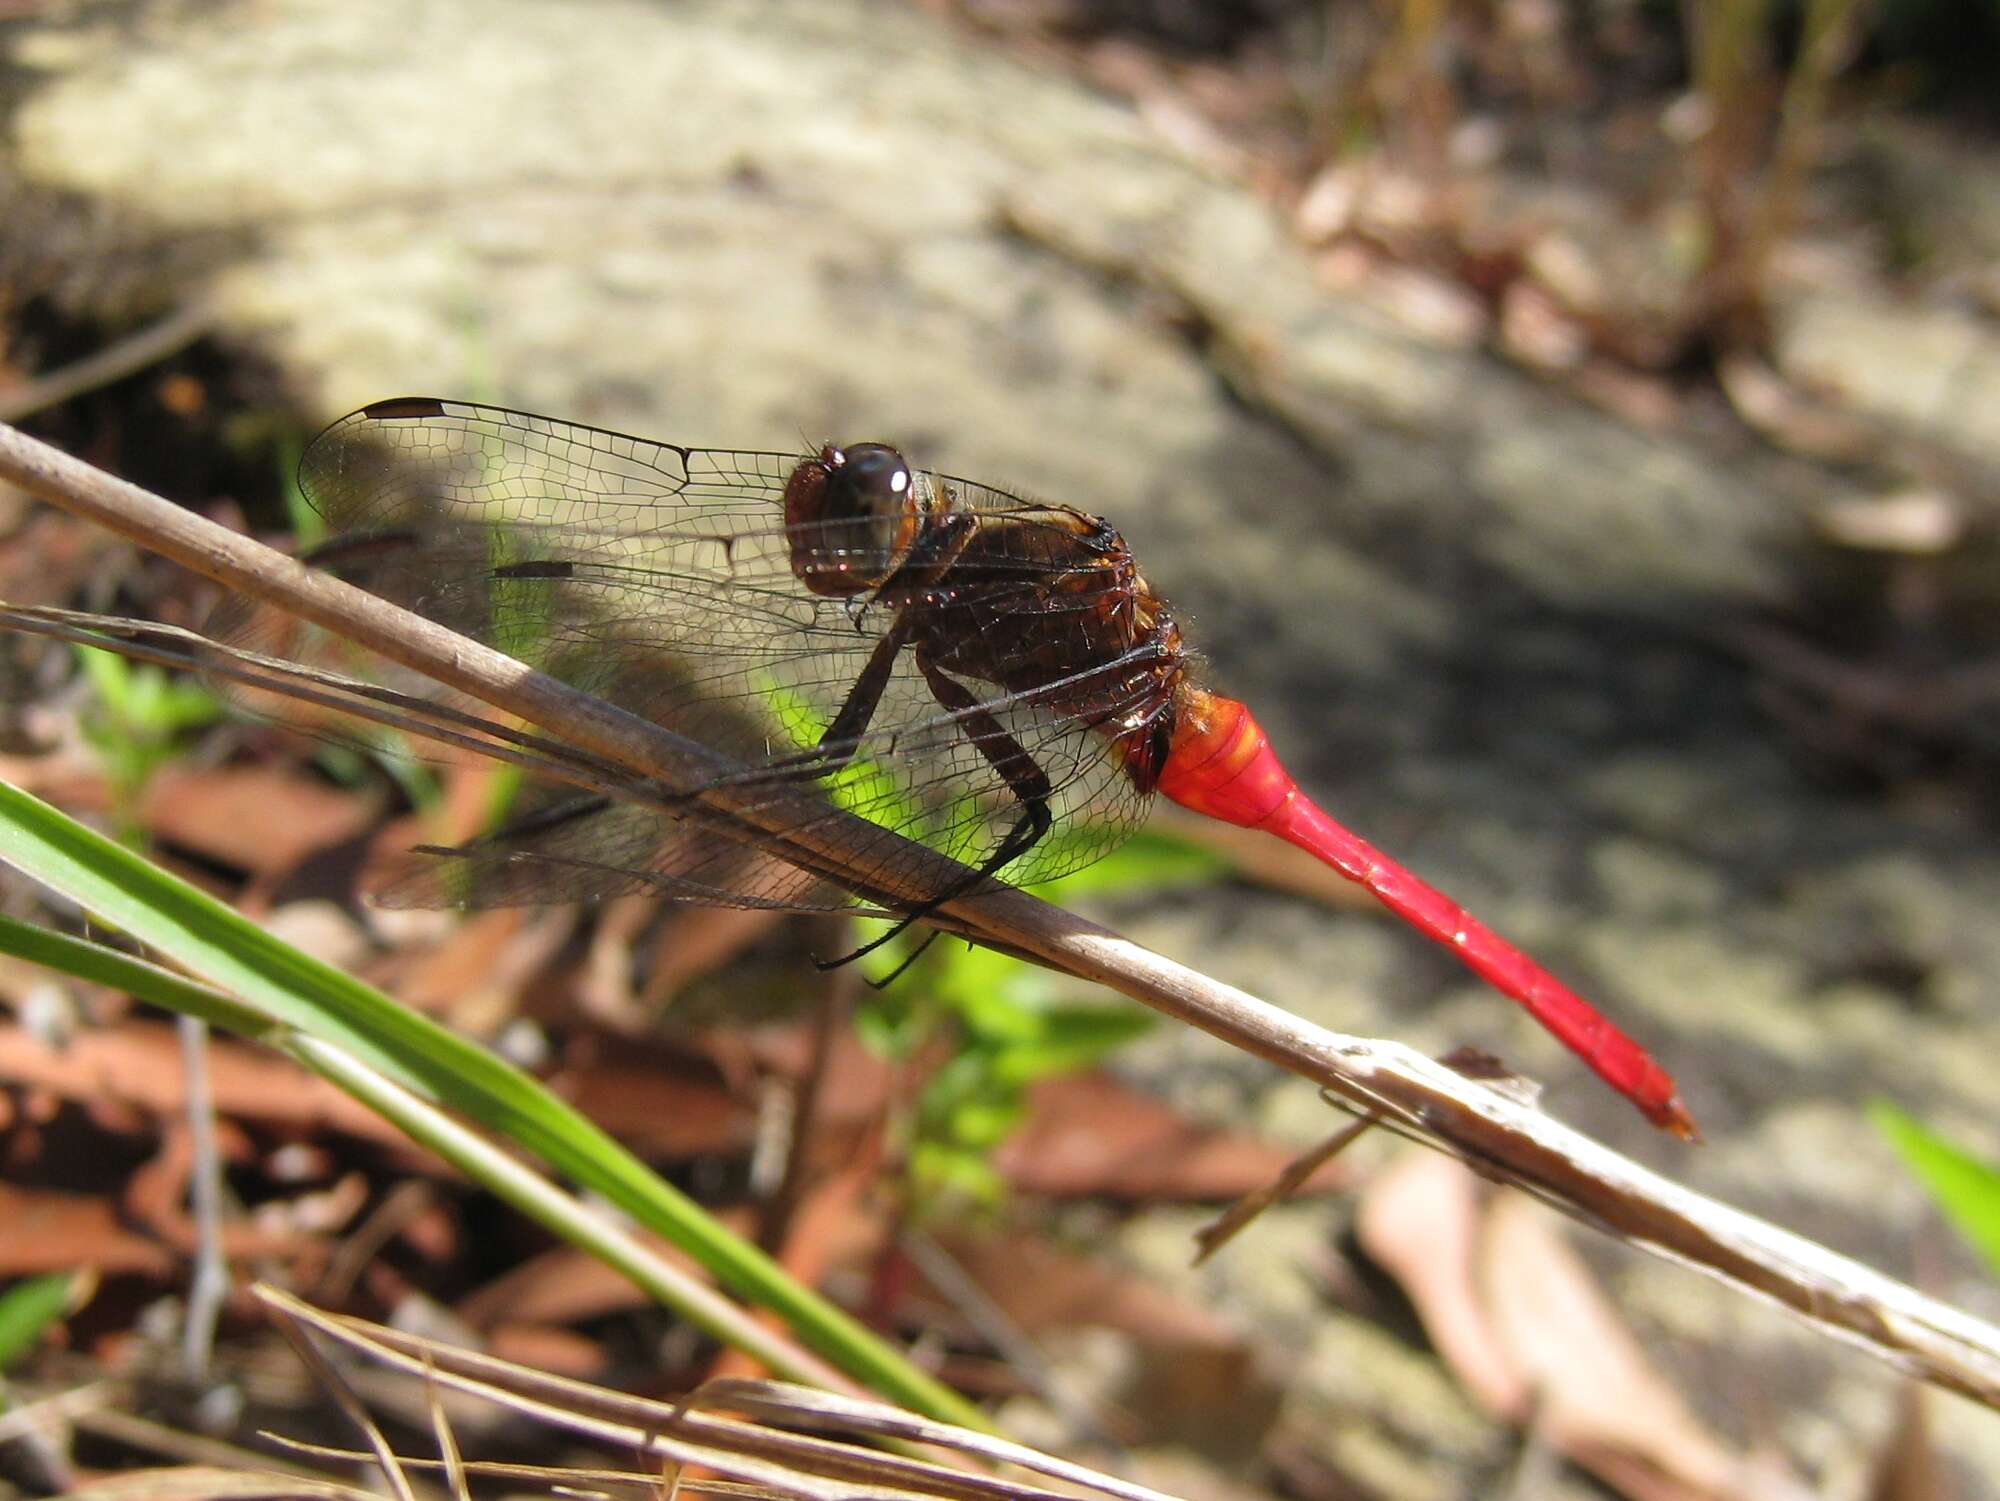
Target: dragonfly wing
586,848
403,462
660,578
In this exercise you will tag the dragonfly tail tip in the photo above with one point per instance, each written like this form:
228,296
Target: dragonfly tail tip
1673,1117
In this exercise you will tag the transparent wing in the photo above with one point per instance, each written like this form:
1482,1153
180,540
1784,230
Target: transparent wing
660,578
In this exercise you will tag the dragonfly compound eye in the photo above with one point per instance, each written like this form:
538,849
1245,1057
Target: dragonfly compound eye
868,515
874,480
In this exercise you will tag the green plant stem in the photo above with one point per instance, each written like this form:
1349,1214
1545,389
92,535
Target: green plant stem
294,989
541,1200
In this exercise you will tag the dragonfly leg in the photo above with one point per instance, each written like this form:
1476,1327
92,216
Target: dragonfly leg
1019,770
911,958
840,742
842,738
1006,755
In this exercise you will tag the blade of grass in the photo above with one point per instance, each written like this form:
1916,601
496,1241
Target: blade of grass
1966,1188
27,1308
213,941
429,1127
136,977
535,1196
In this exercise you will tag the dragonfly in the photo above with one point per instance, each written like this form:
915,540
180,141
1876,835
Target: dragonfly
984,675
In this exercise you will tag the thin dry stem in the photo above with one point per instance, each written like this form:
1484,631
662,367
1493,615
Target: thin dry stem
127,356
790,1440
1501,1136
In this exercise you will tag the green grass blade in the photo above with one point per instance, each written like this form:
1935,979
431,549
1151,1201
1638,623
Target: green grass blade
542,1201
1966,1188
29,1307
213,941
139,978
425,1124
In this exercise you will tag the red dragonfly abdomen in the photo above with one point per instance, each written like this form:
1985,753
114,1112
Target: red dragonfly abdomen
1221,764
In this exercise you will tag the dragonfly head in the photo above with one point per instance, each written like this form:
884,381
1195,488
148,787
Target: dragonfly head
852,515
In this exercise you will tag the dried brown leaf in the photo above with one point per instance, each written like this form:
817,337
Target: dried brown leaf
1908,1468
42,1230
137,1065
1041,1287
261,819
1520,1320
1420,1222
1087,1134
1599,1400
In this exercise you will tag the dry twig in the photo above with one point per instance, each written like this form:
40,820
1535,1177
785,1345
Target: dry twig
1498,1134
728,1436
128,356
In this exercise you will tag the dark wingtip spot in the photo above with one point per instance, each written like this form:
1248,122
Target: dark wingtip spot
403,407
535,570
